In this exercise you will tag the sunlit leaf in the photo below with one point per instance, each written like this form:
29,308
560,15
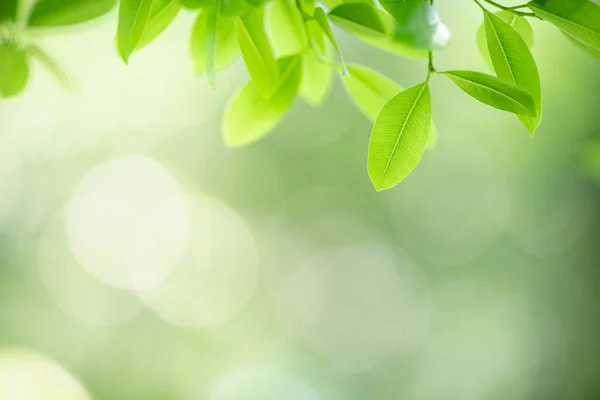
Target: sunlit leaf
399,137
257,51
286,28
521,25
585,47
212,20
67,12
196,4
317,76
494,92
372,25
417,23
226,50
162,13
51,65
9,10
322,20
133,15
513,62
14,70
579,19
432,138
250,115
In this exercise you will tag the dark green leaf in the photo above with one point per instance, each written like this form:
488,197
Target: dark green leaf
286,28
494,92
250,115
513,62
14,70
257,51
9,10
226,49
67,12
579,19
399,137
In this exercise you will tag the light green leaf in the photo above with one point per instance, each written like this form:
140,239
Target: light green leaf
369,89
227,48
399,137
9,10
51,65
196,4
133,15
250,115
257,51
162,13
67,12
286,28
14,70
322,20
586,48
317,76
521,25
212,20
579,19
374,26
513,62
432,138
494,92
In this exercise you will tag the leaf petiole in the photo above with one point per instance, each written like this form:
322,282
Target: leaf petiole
513,9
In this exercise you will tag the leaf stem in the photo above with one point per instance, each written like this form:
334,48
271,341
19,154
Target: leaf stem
513,9
430,68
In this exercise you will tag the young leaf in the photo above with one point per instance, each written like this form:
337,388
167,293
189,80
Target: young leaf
513,62
521,25
322,20
162,13
250,115
286,28
213,15
374,26
494,92
417,23
196,4
67,12
317,76
51,66
399,137
14,70
585,47
226,49
9,10
257,51
579,19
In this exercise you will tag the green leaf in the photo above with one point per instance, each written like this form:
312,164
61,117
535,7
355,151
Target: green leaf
257,51
286,28
9,10
196,4
212,19
51,65
586,48
417,23
67,12
521,25
14,70
579,19
226,50
494,92
162,13
317,76
322,20
399,137
432,138
250,115
513,62
374,26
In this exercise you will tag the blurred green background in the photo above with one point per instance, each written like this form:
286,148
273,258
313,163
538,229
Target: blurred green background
141,259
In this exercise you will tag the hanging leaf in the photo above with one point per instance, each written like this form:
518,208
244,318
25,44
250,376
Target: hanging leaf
257,52
212,20
322,20
162,13
399,137
250,115
226,49
317,76
46,13
196,4
513,62
494,92
286,28
9,10
520,24
579,19
585,47
373,26
14,70
417,23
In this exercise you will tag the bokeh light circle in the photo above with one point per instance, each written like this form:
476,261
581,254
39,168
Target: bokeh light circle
127,222
217,276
